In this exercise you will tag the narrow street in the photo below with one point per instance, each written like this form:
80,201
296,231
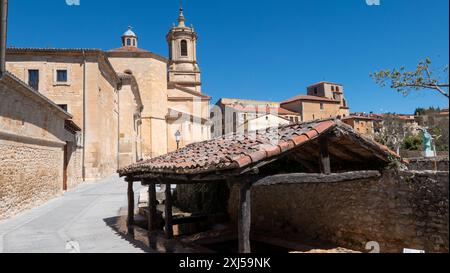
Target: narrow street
79,221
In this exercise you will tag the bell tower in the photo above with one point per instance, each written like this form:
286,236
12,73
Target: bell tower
183,68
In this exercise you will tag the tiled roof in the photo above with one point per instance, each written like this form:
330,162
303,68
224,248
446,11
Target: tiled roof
128,49
54,50
325,82
238,151
309,98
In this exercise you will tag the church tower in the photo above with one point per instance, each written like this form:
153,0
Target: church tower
183,68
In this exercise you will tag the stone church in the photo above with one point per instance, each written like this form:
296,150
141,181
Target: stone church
128,103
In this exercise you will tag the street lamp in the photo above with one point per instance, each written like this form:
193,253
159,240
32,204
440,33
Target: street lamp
178,139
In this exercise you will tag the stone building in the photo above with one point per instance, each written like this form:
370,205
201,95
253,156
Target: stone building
323,100
170,89
102,110
128,102
84,83
362,124
35,147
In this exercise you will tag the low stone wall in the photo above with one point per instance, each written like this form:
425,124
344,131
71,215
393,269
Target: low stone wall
434,164
398,210
30,175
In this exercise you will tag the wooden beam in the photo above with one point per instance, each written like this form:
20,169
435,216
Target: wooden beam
152,220
168,212
244,218
325,166
130,219
299,178
308,165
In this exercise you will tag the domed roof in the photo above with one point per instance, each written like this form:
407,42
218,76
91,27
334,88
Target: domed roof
129,33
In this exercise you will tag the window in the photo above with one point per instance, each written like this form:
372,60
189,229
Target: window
321,106
128,42
315,91
337,89
332,88
184,48
63,106
134,42
33,79
61,75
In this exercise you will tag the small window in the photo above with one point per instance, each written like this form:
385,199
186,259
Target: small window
33,79
63,106
332,88
337,89
315,91
61,75
134,42
184,48
321,106
128,42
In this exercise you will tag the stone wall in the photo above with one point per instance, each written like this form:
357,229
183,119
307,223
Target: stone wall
31,148
405,210
433,164
24,185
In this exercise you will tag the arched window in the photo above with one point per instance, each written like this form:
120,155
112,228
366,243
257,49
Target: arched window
184,48
134,42
128,42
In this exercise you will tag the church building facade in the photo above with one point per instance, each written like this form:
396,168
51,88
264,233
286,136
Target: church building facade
128,102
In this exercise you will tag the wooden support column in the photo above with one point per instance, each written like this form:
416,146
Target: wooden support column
325,166
168,212
130,220
152,225
244,217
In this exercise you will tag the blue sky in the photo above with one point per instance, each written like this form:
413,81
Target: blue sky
265,49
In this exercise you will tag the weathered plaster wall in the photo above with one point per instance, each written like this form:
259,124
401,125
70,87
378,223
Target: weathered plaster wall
409,210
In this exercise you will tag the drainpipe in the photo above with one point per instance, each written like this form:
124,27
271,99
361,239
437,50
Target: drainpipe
84,118
3,31
118,124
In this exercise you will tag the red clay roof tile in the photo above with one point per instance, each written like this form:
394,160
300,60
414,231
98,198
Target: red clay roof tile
239,151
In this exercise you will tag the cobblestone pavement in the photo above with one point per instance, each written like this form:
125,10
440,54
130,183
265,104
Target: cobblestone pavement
78,221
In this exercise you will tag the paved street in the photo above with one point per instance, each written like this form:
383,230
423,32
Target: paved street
81,217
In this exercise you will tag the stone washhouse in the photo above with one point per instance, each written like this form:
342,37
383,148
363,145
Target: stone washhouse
325,151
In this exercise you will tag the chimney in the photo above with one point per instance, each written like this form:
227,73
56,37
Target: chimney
3,30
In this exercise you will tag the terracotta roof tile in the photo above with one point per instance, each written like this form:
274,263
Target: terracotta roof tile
239,151
309,98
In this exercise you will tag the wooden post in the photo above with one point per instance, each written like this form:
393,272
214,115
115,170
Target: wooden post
244,217
152,225
325,166
130,220
168,212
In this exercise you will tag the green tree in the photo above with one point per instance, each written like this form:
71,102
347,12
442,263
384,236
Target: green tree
412,143
423,78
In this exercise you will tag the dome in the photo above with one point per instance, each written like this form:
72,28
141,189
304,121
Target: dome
129,33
